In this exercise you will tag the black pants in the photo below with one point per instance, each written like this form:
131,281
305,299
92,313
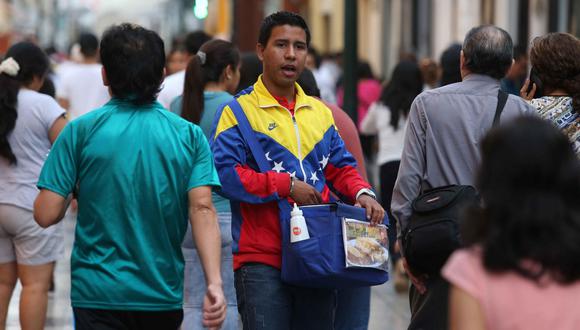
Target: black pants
105,319
388,173
429,311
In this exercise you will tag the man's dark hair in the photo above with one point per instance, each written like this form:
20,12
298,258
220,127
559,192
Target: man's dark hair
488,50
89,44
194,40
278,19
133,58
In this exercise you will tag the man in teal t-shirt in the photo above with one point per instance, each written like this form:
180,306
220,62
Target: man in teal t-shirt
137,169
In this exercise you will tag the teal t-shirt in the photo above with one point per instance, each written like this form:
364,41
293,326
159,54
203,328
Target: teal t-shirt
211,104
132,166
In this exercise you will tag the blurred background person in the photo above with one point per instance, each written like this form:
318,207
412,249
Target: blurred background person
251,69
388,118
173,84
328,76
555,60
514,79
176,60
450,70
29,123
368,90
521,265
429,73
313,60
211,78
81,88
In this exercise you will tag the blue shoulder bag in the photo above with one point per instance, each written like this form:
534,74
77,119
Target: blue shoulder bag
319,261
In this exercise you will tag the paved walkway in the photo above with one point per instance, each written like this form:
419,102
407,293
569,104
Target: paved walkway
389,310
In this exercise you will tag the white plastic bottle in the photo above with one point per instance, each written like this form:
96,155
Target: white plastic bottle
298,228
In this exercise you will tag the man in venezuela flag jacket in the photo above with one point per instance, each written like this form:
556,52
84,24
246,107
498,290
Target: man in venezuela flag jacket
307,157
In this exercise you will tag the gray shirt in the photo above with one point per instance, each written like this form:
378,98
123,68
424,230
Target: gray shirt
30,144
444,130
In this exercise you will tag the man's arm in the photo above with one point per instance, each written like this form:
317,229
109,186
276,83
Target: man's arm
408,184
206,234
49,208
57,178
239,181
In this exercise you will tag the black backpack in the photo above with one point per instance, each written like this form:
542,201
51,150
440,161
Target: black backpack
432,233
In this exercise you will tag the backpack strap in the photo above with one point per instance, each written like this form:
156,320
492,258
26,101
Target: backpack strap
501,101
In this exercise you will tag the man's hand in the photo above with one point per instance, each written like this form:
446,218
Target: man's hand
375,212
214,307
305,194
418,281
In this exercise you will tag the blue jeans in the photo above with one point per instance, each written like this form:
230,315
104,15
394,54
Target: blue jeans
265,302
194,284
353,308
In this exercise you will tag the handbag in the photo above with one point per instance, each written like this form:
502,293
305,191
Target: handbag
317,262
433,232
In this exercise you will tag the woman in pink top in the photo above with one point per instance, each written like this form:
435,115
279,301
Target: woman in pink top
521,267
368,91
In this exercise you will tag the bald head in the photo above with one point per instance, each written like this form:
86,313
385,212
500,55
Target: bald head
488,50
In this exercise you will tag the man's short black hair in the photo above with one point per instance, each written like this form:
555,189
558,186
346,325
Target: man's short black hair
488,50
194,40
278,19
134,59
89,44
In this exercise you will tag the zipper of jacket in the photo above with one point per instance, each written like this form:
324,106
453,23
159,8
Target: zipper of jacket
299,146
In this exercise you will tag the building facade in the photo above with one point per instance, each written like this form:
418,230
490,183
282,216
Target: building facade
389,28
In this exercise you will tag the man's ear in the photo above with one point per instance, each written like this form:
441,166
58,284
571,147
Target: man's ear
260,51
461,60
104,76
229,70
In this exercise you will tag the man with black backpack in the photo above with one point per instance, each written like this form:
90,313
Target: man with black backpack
441,148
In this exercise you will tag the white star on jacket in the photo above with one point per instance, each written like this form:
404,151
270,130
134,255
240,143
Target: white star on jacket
293,174
314,178
268,156
278,167
324,161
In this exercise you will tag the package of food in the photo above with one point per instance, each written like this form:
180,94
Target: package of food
365,245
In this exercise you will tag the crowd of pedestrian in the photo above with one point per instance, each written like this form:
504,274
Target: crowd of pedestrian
177,226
